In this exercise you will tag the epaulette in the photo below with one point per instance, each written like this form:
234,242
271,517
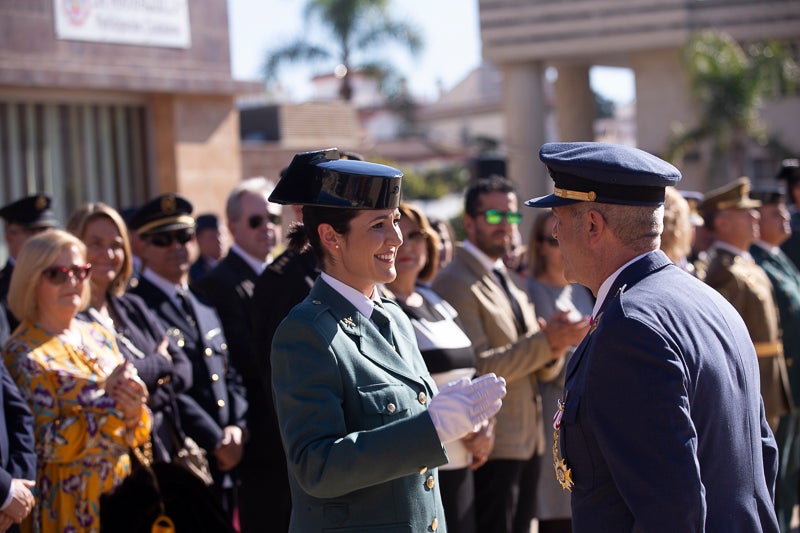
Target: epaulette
279,265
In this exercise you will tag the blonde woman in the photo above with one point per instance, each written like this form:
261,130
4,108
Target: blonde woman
89,404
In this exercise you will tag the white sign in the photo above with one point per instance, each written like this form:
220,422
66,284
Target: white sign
142,22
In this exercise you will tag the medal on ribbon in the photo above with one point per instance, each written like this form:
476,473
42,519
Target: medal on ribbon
563,472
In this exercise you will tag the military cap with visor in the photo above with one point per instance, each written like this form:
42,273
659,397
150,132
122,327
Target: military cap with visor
206,221
604,173
30,212
733,195
167,212
790,170
768,194
322,178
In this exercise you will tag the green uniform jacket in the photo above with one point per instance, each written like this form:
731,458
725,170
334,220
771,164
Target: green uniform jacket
360,446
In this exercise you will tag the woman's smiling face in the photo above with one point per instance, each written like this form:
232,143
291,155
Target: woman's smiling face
366,254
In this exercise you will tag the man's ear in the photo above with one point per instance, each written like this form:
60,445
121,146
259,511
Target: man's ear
596,224
469,225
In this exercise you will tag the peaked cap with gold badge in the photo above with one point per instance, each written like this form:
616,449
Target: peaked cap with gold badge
167,212
30,212
323,178
604,173
733,195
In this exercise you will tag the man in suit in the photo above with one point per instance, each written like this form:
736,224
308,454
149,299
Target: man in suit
661,426
733,218
166,227
500,321
774,229
210,242
22,219
17,455
255,225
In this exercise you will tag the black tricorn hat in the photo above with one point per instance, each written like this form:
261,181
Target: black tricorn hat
31,212
321,178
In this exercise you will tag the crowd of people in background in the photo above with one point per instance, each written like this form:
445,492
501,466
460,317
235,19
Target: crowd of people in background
129,328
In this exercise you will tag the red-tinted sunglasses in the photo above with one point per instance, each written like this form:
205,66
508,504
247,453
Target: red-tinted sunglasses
60,274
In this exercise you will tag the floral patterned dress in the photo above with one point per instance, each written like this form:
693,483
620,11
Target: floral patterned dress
81,441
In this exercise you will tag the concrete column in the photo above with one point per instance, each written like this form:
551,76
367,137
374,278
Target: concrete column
525,114
196,148
574,101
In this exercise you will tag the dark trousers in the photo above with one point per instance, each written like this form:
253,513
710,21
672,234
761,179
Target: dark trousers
458,498
526,506
497,486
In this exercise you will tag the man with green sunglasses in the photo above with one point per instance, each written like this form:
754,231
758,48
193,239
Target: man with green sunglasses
496,216
501,322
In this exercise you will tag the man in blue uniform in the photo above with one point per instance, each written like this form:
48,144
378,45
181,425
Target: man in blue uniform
22,219
661,426
166,226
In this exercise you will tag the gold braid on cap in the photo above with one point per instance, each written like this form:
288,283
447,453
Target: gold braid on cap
590,196
184,219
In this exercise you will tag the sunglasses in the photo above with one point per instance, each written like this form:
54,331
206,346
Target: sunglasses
60,274
495,216
162,240
256,221
552,241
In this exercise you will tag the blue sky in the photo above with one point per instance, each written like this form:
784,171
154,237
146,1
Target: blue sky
452,46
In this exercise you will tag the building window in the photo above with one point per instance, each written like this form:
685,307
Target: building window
75,152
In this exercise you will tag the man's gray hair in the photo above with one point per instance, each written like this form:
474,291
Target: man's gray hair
638,227
255,185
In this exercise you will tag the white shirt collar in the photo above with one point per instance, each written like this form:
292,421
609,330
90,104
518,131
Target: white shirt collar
361,302
257,266
732,249
772,250
606,285
166,286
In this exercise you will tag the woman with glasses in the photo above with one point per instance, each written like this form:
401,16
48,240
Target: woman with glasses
362,421
448,355
88,402
550,292
140,336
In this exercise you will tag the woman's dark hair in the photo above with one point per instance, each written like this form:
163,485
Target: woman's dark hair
338,217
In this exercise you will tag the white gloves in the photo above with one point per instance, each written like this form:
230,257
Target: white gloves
462,405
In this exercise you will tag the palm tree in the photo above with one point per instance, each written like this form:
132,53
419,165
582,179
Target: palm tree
729,82
349,29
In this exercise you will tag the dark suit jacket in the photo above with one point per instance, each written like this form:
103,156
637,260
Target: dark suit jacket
5,280
216,386
5,330
228,288
17,453
138,333
8,317
663,425
361,446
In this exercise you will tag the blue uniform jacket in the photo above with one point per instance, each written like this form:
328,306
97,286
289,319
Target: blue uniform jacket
663,425
360,445
17,454
216,386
